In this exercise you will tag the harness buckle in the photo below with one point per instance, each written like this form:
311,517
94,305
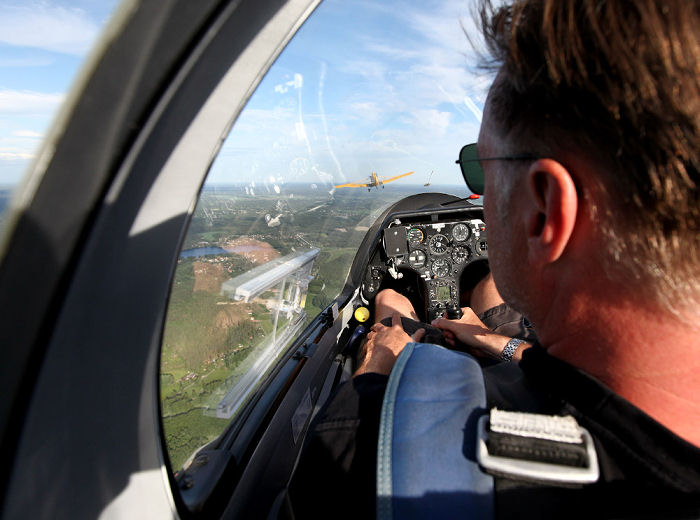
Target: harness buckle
536,447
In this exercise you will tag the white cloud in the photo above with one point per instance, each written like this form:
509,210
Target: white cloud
17,148
15,156
29,102
392,51
14,148
27,61
366,110
296,83
27,133
394,102
433,121
372,70
429,68
50,27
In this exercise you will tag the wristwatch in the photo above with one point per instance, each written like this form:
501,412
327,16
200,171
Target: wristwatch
510,349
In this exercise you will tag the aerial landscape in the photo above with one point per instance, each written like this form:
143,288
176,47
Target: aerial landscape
211,340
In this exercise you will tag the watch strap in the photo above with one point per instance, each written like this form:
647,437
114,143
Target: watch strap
510,349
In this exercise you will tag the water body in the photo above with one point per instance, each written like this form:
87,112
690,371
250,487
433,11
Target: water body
203,251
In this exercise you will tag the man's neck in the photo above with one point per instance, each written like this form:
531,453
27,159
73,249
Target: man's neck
650,358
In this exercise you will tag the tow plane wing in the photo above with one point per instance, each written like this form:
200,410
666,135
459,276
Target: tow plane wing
390,179
374,181
354,185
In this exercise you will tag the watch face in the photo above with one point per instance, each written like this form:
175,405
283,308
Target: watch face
438,244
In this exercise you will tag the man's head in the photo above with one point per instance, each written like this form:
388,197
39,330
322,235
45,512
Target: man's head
616,84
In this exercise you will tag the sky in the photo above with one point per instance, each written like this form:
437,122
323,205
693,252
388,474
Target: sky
383,86
365,86
42,45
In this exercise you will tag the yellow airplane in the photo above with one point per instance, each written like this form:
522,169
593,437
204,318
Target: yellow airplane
374,182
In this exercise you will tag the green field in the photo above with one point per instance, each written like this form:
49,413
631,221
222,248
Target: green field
208,340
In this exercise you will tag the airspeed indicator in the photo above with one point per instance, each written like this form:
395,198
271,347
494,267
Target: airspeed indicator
438,244
415,236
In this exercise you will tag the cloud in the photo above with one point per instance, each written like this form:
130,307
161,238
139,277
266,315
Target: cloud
296,83
392,51
27,133
49,27
27,61
13,148
372,70
29,102
435,122
15,156
393,100
366,110
429,67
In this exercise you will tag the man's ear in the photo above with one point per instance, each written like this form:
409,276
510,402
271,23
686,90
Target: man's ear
552,204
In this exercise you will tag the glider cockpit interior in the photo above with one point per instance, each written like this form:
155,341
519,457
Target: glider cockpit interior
433,255
179,274
430,247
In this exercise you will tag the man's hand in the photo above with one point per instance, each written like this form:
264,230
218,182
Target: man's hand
384,344
472,332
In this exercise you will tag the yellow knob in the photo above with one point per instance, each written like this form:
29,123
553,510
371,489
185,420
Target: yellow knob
362,314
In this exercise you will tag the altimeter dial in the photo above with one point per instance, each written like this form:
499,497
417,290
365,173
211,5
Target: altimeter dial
441,267
438,244
460,232
460,254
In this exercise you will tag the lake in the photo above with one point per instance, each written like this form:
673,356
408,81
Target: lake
202,251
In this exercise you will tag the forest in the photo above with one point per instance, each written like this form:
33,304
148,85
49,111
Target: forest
209,341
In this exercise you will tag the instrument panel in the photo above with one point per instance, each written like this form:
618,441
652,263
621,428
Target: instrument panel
437,252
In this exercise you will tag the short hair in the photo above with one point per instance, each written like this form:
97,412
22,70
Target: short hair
621,80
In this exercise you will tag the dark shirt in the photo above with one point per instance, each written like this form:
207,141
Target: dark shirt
646,470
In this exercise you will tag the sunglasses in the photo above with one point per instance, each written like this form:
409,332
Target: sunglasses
471,168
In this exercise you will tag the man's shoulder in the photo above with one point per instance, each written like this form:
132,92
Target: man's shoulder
510,388
643,466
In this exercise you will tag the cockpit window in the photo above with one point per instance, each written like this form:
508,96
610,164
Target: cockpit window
369,103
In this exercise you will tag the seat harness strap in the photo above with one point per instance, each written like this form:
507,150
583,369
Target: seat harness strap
426,460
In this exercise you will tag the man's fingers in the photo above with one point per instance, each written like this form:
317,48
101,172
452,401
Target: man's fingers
396,320
444,324
418,335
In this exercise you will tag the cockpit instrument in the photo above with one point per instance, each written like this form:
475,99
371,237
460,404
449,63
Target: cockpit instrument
415,236
460,232
438,244
416,259
441,267
460,254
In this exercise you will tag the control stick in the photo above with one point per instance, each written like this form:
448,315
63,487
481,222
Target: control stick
454,312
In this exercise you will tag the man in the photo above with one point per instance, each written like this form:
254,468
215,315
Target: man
590,147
